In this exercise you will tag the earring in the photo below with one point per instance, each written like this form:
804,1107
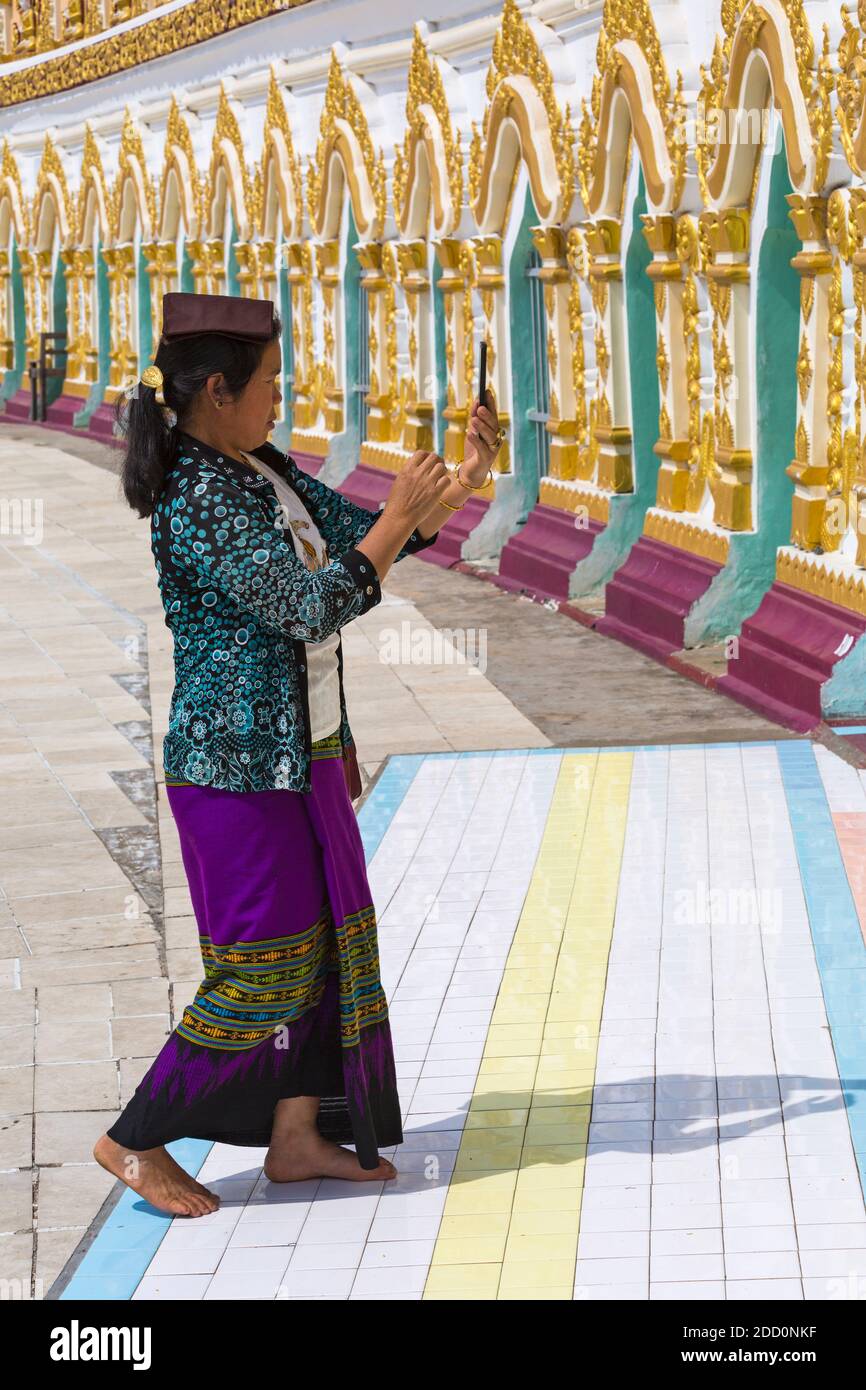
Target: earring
220,405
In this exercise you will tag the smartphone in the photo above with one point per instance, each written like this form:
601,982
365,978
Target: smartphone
482,373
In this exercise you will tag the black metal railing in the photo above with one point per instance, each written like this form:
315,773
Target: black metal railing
540,413
51,347
362,385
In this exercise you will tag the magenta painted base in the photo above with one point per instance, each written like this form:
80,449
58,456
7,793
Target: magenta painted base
787,650
366,486
541,558
18,406
101,423
62,412
647,600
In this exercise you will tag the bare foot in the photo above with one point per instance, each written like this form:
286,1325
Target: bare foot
307,1155
156,1177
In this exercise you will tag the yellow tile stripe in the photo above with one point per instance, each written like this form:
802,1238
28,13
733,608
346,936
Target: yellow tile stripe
512,1215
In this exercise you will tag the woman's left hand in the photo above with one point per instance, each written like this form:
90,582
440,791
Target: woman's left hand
482,440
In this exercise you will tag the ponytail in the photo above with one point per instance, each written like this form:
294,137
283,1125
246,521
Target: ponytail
149,434
148,426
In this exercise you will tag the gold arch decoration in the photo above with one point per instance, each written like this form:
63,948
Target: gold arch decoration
51,182
93,180
279,157
851,88
132,167
734,86
12,188
521,91
345,144
179,159
630,68
244,188
429,125
14,217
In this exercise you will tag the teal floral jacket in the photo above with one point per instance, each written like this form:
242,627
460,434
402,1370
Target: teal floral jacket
240,605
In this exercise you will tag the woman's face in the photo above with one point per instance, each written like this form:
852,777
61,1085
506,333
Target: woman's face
249,418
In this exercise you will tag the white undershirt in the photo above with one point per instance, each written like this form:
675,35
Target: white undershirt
323,684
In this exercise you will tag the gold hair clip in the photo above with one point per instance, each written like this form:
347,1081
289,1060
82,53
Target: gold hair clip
152,376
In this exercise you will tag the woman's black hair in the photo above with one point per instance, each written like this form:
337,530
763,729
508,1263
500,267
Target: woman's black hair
149,433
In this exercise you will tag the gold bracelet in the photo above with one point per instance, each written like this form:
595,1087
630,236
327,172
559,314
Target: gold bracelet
468,486
450,508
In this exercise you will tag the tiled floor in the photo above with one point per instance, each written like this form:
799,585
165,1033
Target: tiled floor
627,995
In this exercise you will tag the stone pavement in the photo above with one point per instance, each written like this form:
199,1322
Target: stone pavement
470,770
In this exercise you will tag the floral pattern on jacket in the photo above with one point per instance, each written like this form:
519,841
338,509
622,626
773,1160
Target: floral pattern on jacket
241,604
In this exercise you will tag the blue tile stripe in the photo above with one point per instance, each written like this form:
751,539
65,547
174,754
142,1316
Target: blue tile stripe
384,798
836,935
129,1237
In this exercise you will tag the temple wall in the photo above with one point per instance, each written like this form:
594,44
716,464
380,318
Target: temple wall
653,211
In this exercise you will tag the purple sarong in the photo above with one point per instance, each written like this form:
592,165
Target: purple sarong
291,1003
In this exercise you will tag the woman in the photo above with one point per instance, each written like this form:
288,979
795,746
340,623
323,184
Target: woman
286,1045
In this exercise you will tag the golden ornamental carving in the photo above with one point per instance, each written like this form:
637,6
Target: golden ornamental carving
632,19
802,447
10,175
663,365
132,153
577,261
227,130
687,535
342,103
426,88
804,369
815,79
838,484
516,52
851,86
51,173
277,119
118,52
843,587
93,175
178,138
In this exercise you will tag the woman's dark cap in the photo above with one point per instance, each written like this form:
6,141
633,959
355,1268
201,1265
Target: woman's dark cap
187,315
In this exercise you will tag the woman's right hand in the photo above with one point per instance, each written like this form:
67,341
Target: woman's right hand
418,486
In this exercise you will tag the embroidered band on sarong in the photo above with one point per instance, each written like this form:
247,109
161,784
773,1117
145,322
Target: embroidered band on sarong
250,990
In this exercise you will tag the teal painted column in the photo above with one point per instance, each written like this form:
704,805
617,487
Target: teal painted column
187,280
283,431
96,394
145,322
14,376
522,378
517,490
54,385
439,359
344,452
232,267
627,510
738,589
